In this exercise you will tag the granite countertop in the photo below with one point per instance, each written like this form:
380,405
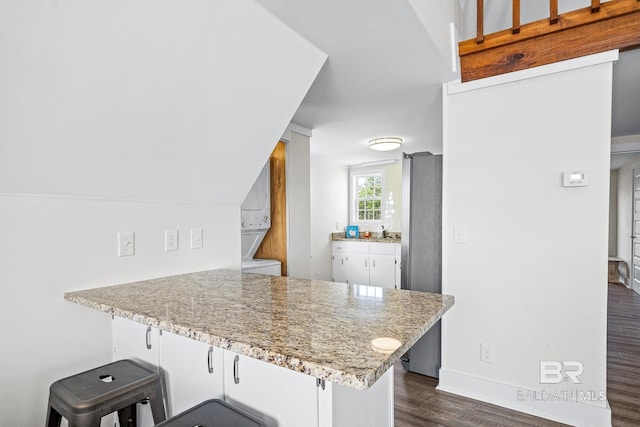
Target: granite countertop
322,329
375,237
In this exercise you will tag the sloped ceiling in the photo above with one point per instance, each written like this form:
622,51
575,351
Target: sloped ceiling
383,77
146,100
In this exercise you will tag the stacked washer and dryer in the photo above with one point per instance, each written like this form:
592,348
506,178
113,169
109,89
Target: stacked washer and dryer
256,221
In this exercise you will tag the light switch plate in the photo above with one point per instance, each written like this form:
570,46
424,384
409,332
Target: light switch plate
196,238
459,234
126,243
171,240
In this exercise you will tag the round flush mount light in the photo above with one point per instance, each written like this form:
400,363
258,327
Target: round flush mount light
385,144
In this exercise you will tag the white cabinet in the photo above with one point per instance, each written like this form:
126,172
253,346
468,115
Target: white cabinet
141,343
358,269
383,271
193,372
338,262
277,395
382,259
136,341
367,263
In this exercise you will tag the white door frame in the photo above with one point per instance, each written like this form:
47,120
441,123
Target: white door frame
635,231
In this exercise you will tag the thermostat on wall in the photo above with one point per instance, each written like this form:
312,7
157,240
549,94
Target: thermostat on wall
575,179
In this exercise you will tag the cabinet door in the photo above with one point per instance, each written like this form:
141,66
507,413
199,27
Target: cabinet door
132,340
278,396
358,269
383,271
338,261
338,268
193,372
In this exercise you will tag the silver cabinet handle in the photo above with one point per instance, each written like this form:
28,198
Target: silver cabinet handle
374,263
236,372
210,360
148,338
366,263
342,261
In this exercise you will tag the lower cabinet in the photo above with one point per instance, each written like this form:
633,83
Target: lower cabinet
194,371
366,263
141,343
277,395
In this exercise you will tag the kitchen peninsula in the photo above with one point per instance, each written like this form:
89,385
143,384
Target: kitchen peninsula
330,346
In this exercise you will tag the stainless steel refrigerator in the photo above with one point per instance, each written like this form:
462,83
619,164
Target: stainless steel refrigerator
421,267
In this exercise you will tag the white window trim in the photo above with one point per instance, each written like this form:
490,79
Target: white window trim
353,216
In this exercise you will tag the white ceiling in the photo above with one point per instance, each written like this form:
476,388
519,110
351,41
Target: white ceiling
384,74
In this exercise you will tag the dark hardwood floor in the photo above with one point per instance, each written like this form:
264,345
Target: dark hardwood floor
623,356
419,404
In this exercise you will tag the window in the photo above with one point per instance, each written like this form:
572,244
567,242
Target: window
367,200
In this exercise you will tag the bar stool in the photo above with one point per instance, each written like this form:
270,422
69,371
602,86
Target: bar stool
83,399
210,413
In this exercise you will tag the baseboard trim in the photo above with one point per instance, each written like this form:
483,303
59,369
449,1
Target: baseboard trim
576,413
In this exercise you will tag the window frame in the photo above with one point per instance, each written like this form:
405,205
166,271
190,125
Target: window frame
353,197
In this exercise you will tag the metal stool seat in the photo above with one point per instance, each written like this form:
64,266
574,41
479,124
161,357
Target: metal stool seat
213,413
83,399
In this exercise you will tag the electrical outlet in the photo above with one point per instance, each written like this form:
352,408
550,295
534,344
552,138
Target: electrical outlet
171,240
196,238
126,243
487,353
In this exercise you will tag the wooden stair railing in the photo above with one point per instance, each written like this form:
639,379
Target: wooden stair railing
593,29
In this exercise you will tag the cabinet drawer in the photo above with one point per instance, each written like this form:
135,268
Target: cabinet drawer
338,247
358,247
383,248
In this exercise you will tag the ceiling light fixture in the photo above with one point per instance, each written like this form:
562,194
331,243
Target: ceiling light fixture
385,144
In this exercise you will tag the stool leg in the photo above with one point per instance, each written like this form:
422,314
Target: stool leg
128,416
157,405
53,418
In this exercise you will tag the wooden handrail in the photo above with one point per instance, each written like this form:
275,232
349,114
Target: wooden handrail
515,28
480,22
596,28
553,12
595,6
554,17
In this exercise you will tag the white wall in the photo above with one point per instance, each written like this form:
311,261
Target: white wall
54,245
391,196
145,100
531,280
298,207
329,208
436,16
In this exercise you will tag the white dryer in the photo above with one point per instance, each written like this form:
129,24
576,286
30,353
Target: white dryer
256,221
